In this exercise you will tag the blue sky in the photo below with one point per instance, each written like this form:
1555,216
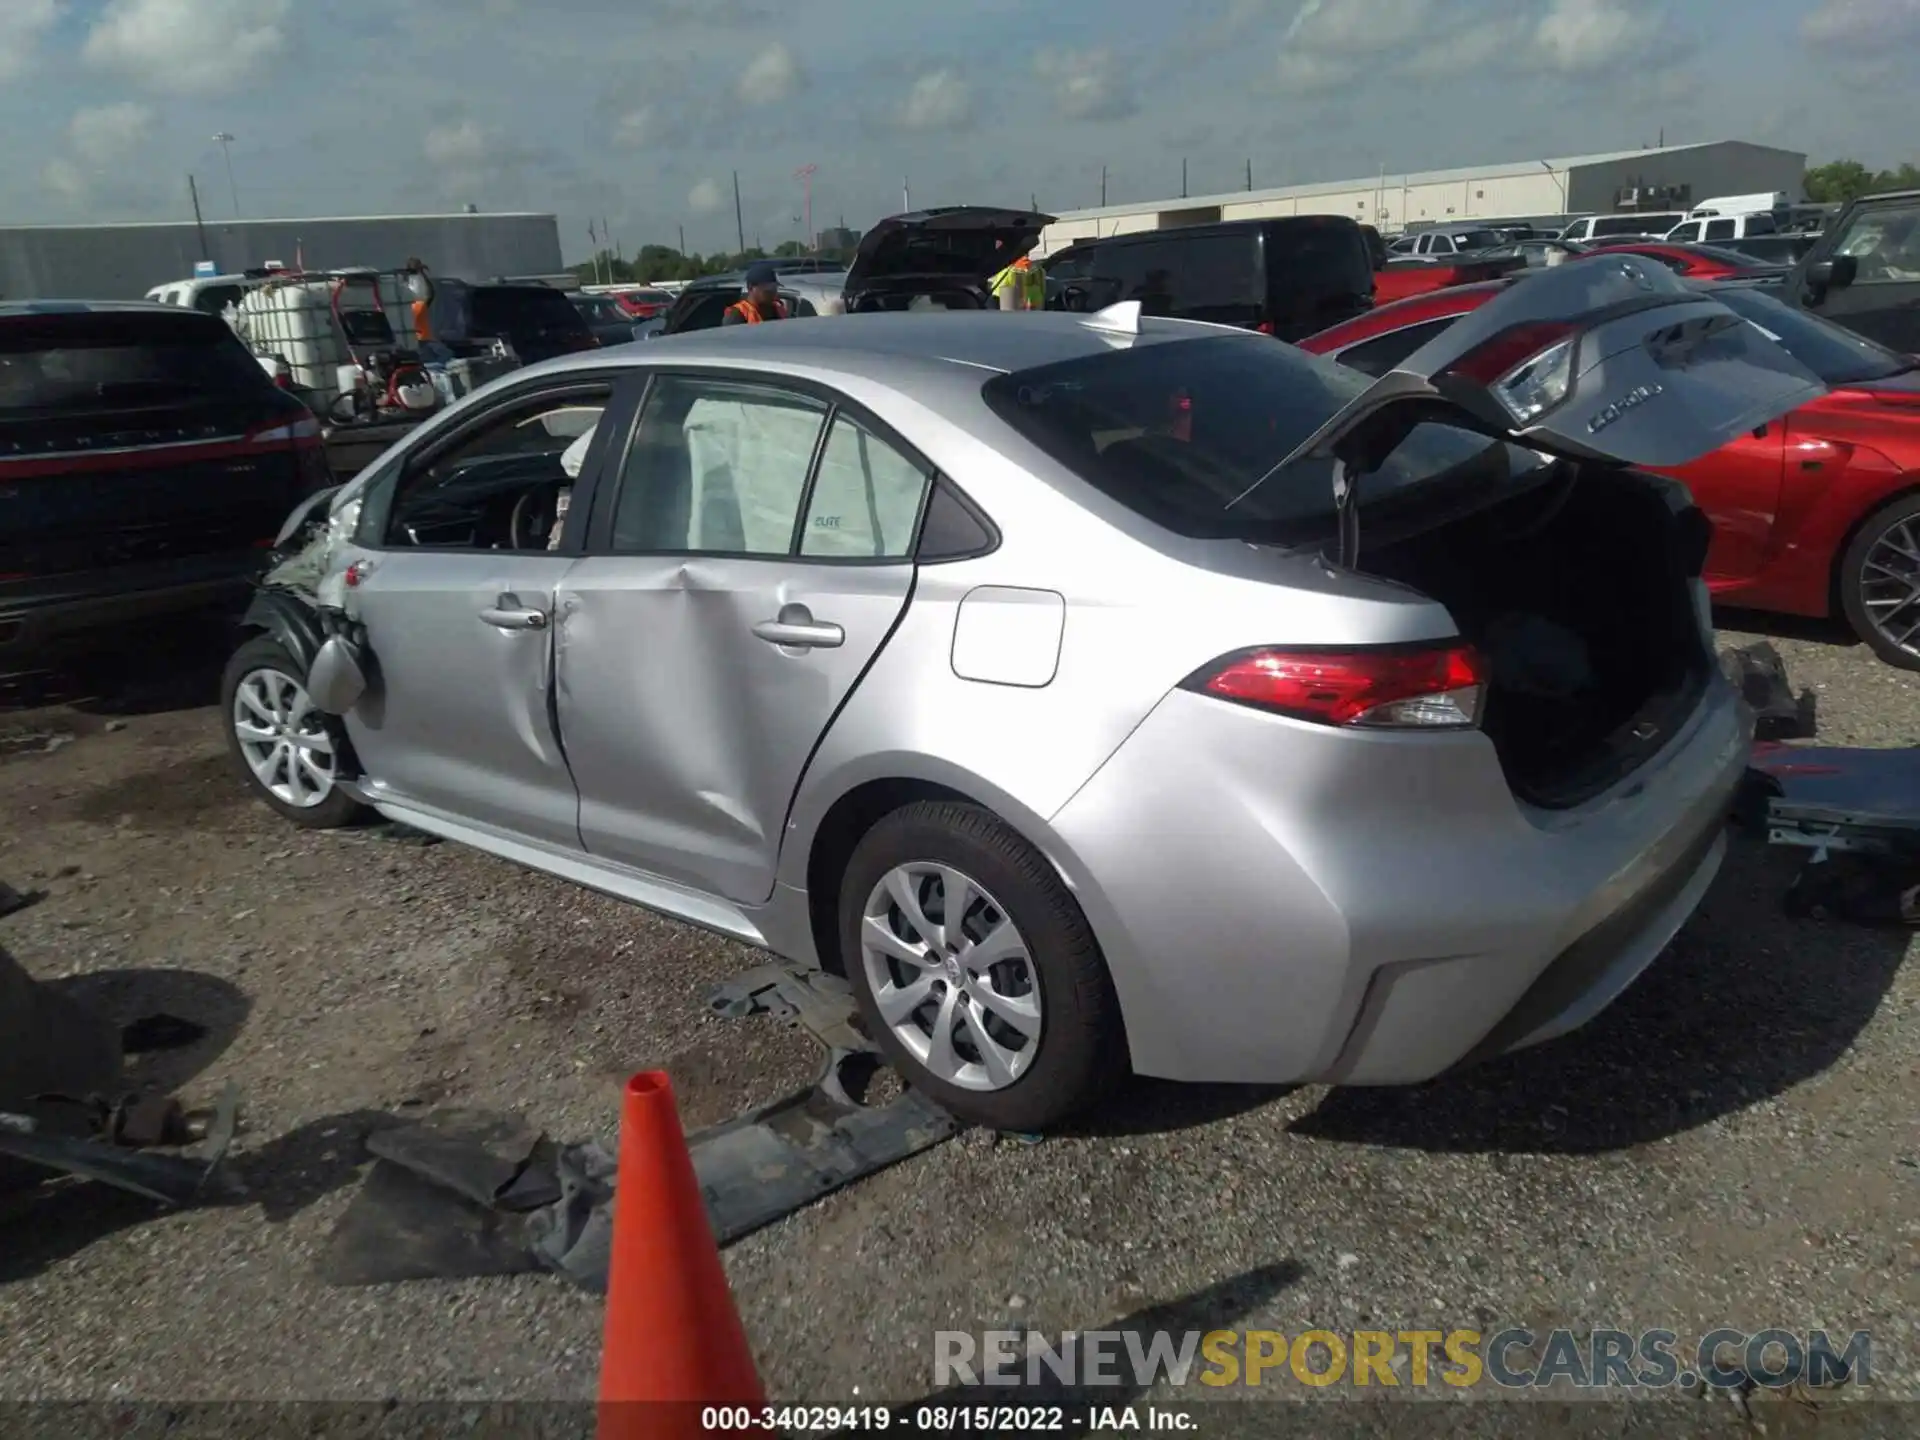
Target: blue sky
641,110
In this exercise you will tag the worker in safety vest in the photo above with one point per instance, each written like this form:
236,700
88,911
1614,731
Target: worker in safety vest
762,300
1021,286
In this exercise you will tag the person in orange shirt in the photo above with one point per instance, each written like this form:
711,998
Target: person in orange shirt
762,300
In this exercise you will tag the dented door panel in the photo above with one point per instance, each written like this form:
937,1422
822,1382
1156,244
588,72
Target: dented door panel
467,725
692,692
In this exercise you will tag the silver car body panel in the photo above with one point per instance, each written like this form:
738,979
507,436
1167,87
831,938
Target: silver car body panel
1275,900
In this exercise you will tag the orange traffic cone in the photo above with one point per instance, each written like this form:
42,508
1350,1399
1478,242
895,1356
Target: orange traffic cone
674,1347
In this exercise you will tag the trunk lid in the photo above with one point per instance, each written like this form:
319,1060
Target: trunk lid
1614,359
965,243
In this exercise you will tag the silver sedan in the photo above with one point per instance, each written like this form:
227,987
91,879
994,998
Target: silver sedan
1095,692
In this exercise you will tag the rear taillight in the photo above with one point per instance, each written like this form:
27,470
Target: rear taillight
305,430
1427,687
1528,368
1265,327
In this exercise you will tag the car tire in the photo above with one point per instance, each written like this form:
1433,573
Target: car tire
1854,578
264,663
1079,1049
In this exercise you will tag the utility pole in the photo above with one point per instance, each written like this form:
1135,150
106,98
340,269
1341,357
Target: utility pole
906,196
683,240
1183,177
199,225
805,175
1249,172
1103,185
225,142
739,225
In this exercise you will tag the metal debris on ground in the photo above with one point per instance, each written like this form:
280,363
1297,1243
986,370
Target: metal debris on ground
1858,812
13,901
469,1193
1760,675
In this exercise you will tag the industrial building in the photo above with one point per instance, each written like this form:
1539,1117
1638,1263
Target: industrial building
1665,177
123,262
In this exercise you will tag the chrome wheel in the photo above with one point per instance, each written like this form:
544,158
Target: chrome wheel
951,976
283,738
1890,584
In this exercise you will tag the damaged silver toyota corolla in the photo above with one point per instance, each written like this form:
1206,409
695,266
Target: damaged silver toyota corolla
1093,691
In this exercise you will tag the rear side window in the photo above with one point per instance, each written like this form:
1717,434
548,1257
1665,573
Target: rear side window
1720,230
1317,258
1200,277
1621,225
1187,434
120,360
500,309
1376,357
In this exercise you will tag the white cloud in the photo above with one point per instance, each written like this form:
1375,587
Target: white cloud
23,24
1588,35
1087,85
106,134
940,100
1868,27
64,178
770,77
189,47
1301,73
635,129
465,145
706,197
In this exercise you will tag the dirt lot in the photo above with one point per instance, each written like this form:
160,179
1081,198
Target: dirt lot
1735,1142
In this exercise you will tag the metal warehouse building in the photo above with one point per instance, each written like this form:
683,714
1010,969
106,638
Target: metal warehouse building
1668,177
123,262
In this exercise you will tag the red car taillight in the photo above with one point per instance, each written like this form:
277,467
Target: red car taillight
1397,687
1488,362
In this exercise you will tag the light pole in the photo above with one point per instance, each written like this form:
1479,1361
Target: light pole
224,141
1558,183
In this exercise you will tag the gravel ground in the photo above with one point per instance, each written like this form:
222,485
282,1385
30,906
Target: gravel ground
1735,1142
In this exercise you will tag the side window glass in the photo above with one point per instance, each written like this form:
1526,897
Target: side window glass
1886,242
866,498
1377,357
716,467
503,486
1720,230
797,307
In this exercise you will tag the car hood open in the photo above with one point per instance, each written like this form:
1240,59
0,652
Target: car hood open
1647,372
965,243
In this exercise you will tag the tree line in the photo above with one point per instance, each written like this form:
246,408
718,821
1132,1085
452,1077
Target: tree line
663,262
1839,181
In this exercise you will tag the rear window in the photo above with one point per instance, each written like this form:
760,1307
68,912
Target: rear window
525,309
1837,356
120,360
1187,434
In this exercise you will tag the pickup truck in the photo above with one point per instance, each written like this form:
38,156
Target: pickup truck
1864,271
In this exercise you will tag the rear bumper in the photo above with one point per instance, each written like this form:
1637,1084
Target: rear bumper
42,619
1280,902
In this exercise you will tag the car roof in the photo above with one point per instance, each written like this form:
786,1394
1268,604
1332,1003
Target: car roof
876,346
14,308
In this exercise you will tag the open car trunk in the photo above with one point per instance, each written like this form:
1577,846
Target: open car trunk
1579,594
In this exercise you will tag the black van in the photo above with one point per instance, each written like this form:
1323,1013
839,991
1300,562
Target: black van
1290,277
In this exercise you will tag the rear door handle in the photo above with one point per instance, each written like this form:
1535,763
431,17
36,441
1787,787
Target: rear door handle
507,613
797,629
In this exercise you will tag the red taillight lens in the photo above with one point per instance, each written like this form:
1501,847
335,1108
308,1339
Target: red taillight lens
1509,348
1392,687
1265,327
305,430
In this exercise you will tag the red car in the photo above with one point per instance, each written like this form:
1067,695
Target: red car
1816,514
642,304
1699,262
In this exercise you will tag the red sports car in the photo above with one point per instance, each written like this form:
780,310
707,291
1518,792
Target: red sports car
1699,262
1815,514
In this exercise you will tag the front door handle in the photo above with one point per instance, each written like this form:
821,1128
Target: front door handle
796,629
507,613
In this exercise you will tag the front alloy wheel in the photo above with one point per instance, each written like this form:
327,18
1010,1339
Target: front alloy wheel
291,753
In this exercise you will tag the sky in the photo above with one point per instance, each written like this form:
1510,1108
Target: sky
639,112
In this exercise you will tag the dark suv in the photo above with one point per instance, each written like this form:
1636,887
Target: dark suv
538,321
1864,271
146,463
1291,277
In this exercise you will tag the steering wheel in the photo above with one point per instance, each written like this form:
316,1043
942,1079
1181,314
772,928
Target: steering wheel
531,523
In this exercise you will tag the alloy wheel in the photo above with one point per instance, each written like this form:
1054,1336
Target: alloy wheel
283,738
1890,584
951,975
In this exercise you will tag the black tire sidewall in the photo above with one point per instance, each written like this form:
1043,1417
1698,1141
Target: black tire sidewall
263,652
1080,1048
1852,577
